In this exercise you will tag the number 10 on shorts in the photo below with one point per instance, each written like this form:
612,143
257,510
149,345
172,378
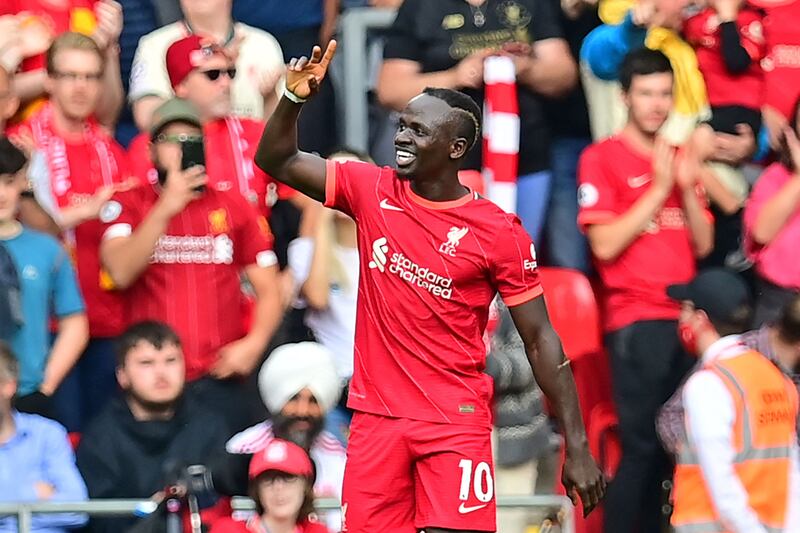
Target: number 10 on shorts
480,479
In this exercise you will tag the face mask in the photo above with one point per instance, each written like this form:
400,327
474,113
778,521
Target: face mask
688,335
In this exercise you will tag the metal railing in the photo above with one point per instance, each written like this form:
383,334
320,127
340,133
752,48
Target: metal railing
354,25
557,505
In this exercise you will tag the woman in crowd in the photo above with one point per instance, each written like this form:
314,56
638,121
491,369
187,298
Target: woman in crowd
281,481
772,227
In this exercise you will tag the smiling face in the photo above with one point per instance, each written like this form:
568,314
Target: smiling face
300,420
426,142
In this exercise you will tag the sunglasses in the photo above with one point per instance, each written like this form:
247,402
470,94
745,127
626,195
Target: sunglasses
215,73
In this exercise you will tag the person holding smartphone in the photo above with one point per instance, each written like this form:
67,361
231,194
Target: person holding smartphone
179,247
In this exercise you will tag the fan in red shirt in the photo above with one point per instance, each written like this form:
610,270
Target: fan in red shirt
202,73
729,40
281,483
781,64
179,247
77,168
39,22
433,256
646,224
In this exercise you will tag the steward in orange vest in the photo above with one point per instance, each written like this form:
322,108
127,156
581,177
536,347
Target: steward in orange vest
739,460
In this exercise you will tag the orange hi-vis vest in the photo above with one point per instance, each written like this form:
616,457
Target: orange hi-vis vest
766,404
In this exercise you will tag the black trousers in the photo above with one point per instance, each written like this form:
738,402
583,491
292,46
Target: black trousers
647,365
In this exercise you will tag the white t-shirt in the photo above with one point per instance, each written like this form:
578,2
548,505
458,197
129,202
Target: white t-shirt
334,327
260,55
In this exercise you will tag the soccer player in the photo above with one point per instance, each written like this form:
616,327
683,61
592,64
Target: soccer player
433,255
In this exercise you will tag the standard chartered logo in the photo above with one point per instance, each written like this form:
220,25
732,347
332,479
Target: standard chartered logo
379,249
409,271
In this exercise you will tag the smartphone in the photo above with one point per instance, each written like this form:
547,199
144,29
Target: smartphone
193,154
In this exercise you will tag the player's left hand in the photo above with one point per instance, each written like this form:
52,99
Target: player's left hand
304,76
582,478
236,359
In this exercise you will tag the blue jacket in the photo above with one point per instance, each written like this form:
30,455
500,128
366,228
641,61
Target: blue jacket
40,451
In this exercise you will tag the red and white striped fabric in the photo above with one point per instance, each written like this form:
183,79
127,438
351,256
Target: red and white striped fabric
500,131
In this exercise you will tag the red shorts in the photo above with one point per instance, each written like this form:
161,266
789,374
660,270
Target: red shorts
404,475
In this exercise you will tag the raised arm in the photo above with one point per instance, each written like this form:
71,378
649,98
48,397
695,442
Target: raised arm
277,153
551,369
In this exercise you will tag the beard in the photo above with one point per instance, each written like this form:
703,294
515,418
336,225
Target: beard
149,406
283,428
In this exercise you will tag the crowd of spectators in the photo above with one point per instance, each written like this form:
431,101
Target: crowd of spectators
647,140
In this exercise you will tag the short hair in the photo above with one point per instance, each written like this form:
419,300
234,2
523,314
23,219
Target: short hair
153,332
468,111
12,160
738,321
9,366
72,40
642,62
788,322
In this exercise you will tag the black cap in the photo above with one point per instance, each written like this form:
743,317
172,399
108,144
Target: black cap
719,292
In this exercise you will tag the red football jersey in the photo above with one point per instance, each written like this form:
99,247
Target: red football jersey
429,271
91,166
613,176
724,89
192,282
782,63
230,146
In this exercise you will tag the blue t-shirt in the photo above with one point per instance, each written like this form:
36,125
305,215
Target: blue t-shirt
279,16
49,288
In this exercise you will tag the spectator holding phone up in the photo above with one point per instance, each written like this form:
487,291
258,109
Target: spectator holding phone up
179,248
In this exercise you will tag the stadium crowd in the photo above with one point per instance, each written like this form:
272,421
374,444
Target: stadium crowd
165,303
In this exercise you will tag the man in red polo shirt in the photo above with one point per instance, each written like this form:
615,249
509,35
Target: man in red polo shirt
179,247
646,224
202,73
83,166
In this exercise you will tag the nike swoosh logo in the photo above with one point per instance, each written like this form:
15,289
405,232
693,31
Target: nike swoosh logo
638,181
386,205
463,509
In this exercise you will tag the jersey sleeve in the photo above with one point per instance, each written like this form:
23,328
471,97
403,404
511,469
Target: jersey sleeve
513,265
148,71
347,185
597,197
123,214
252,238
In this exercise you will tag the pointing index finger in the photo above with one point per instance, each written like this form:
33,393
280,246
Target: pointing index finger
330,51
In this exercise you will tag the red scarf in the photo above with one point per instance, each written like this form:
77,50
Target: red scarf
52,145
55,151
500,131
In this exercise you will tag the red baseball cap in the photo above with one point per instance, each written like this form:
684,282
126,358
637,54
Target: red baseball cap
283,456
187,54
